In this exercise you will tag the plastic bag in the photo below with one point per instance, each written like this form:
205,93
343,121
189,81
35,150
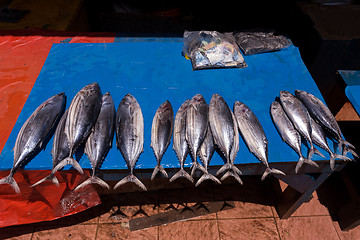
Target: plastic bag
211,49
253,42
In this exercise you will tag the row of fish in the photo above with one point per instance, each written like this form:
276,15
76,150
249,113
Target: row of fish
199,129
306,116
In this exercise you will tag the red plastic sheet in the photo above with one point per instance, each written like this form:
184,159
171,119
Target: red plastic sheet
44,202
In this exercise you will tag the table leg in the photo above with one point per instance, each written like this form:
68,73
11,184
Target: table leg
289,200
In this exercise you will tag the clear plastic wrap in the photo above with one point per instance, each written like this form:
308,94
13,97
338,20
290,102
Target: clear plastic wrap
253,42
211,49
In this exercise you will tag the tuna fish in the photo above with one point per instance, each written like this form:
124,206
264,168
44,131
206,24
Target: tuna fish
100,140
59,151
254,136
319,138
130,136
180,145
161,131
288,133
197,119
299,116
223,131
82,114
34,134
322,114
206,152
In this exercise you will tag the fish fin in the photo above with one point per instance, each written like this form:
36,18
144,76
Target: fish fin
182,174
130,178
317,152
304,160
225,167
269,171
158,169
11,181
49,177
313,151
344,142
231,173
68,161
207,176
195,165
93,180
346,149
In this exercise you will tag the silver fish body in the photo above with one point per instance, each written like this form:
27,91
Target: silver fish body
299,116
59,151
197,119
253,135
180,144
34,134
206,152
82,115
100,140
130,136
161,132
322,114
221,124
319,138
288,132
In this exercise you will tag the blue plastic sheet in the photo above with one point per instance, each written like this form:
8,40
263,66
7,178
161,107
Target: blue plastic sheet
153,71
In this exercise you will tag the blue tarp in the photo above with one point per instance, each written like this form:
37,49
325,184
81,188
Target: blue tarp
154,71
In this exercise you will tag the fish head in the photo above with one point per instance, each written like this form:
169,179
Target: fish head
299,93
216,98
275,105
165,108
184,106
285,94
107,99
240,109
198,98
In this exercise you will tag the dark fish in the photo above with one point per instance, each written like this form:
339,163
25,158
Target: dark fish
100,140
319,138
161,132
222,128
299,116
180,145
82,114
34,134
197,119
288,133
206,152
130,136
59,151
322,114
254,136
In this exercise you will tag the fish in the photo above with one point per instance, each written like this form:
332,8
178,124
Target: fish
180,144
206,152
254,136
100,140
130,136
161,133
59,151
82,115
322,114
222,129
197,119
299,116
288,133
34,134
319,138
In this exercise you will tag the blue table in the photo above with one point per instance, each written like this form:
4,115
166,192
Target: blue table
153,70
352,90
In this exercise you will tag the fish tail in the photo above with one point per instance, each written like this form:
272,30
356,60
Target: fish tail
233,174
158,169
269,171
182,174
344,142
313,151
207,176
68,161
11,181
93,180
304,160
195,165
130,178
225,167
50,177
347,149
